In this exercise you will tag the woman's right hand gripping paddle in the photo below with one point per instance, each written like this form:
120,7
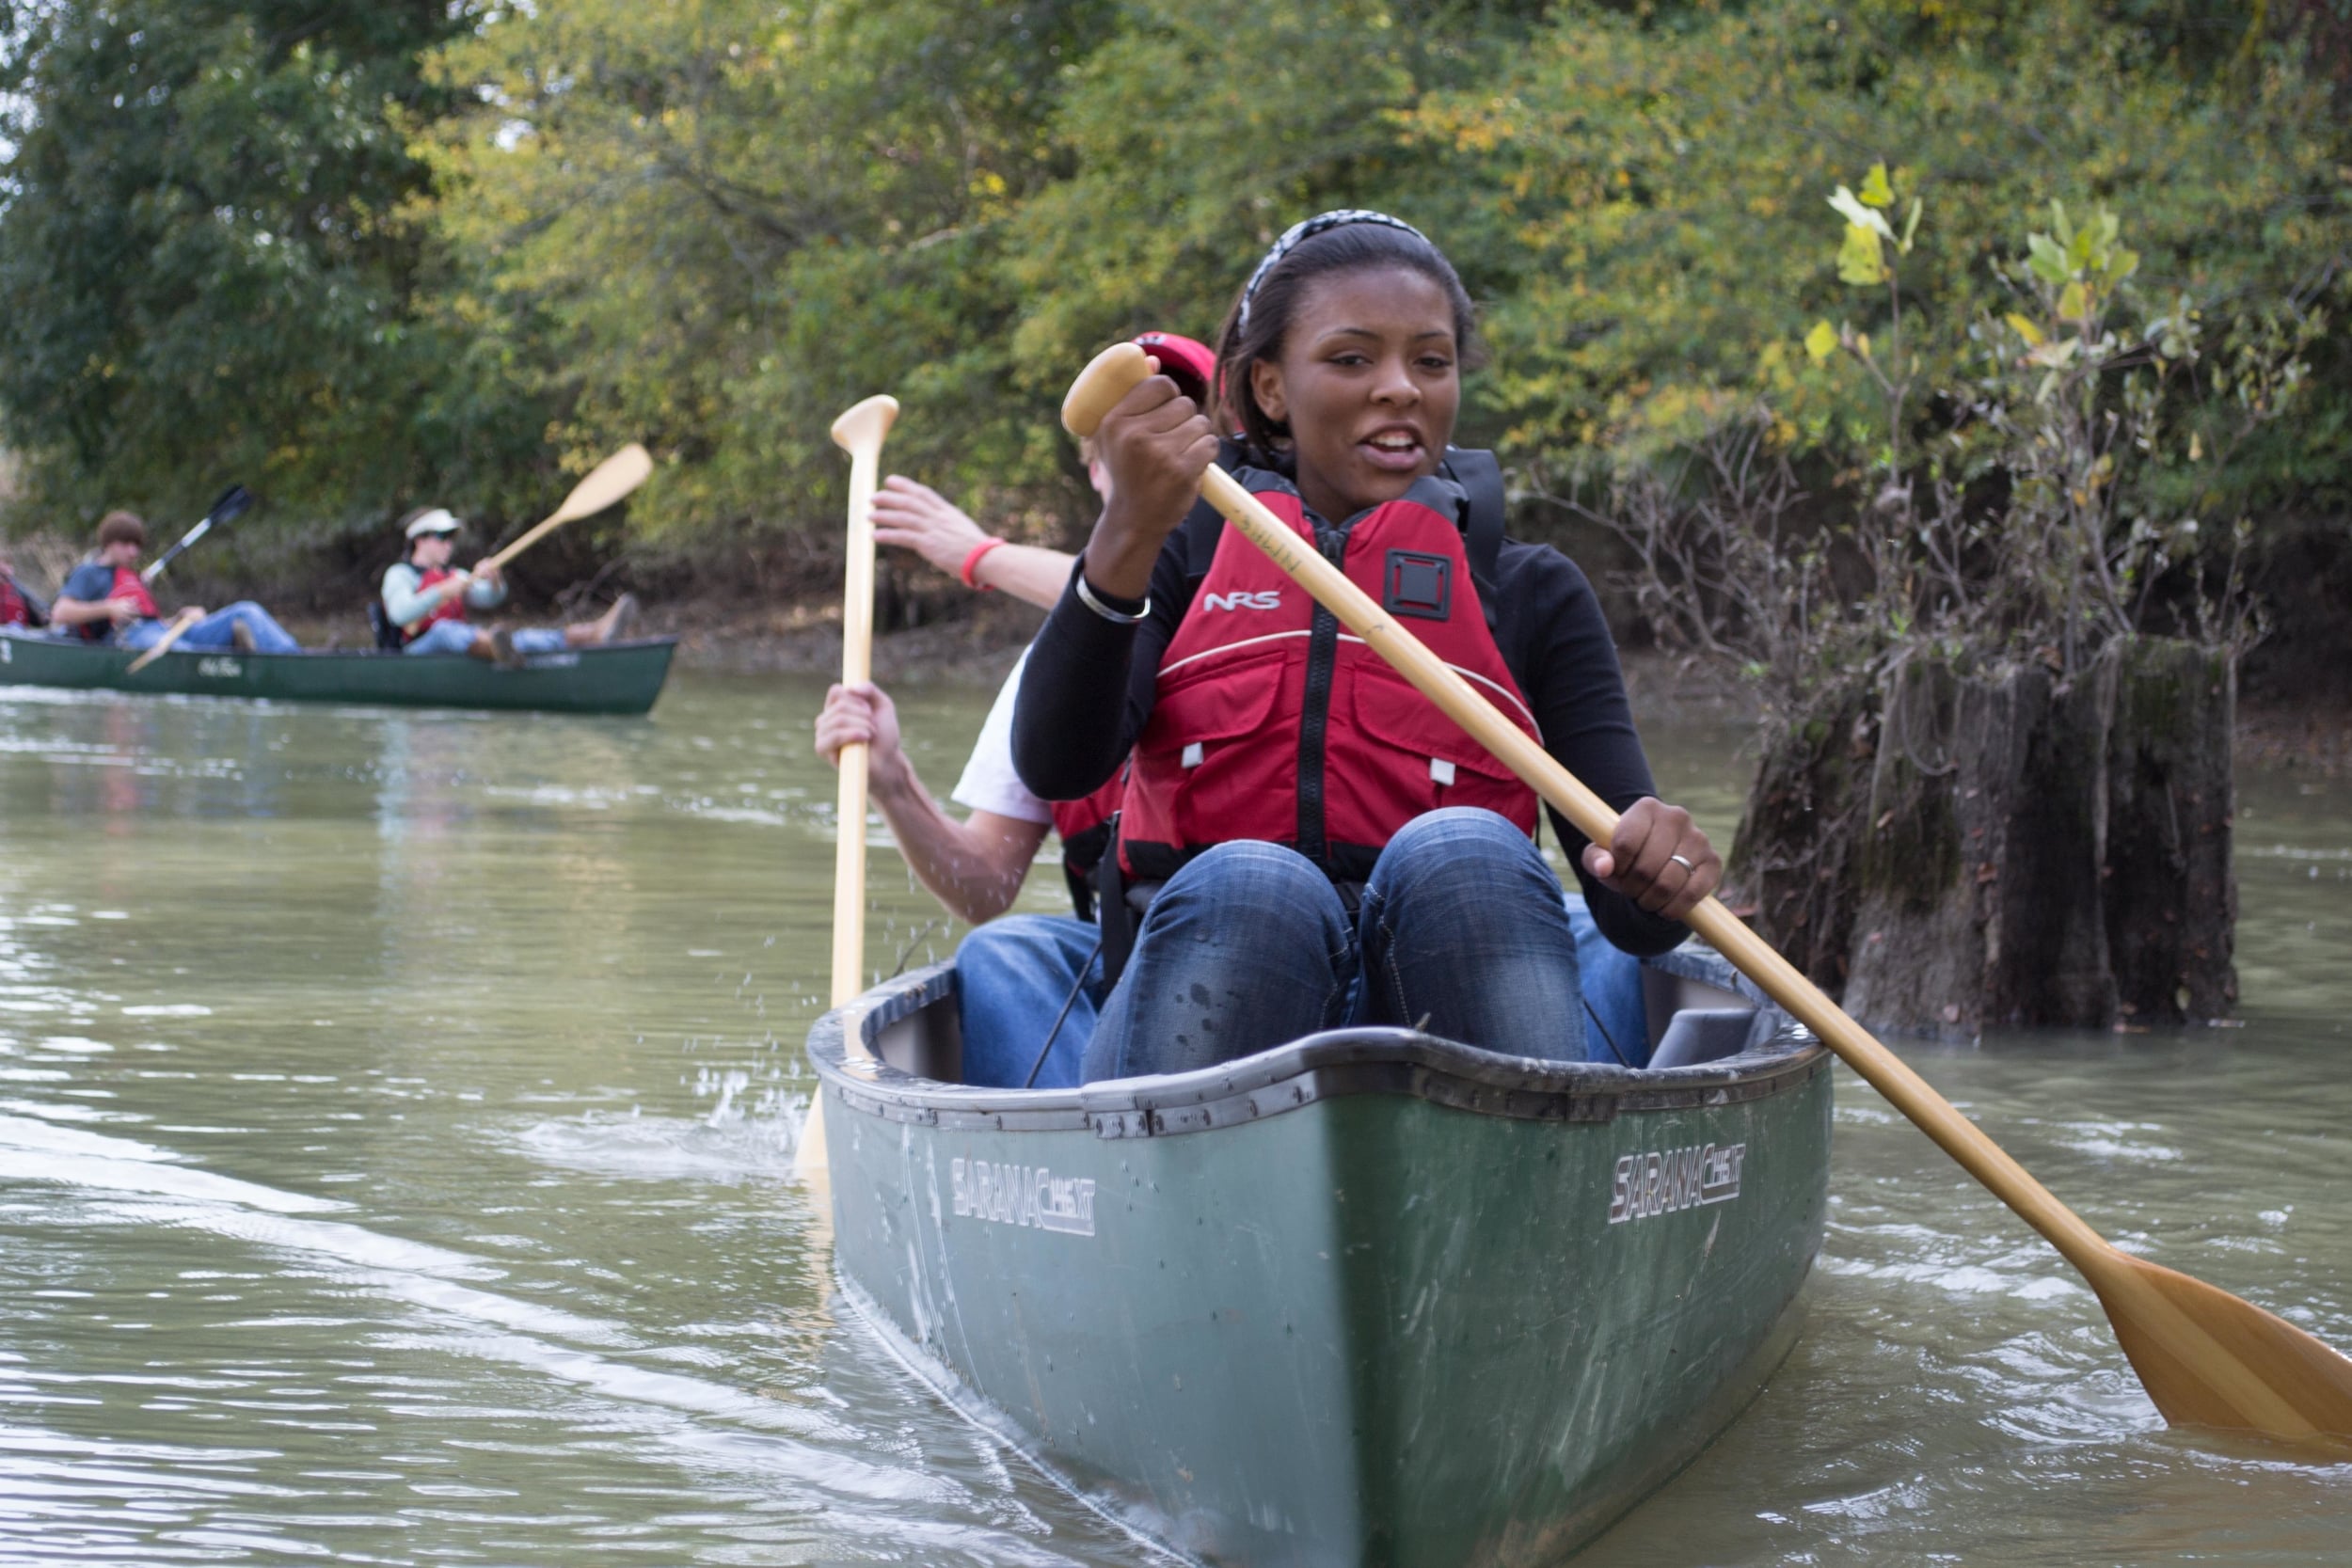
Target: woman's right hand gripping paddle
1157,444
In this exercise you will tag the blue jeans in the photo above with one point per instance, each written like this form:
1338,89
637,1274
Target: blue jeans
1013,976
455,637
214,632
1617,1026
1462,931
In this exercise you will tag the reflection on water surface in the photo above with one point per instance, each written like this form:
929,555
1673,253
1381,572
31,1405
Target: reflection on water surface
395,1132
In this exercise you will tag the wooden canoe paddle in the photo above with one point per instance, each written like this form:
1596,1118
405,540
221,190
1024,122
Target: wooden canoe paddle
860,434
606,484
162,646
2206,1357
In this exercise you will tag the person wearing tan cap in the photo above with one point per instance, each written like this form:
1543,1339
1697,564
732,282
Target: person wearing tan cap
425,601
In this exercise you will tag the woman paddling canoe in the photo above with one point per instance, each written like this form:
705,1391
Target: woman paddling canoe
1261,1310
1312,841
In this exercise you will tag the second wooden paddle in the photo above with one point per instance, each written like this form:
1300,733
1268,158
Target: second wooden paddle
2206,1357
162,646
860,434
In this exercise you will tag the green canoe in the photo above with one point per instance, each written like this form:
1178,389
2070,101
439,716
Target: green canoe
616,677
1369,1298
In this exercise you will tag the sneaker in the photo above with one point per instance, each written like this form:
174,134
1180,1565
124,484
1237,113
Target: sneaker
502,650
616,621
242,635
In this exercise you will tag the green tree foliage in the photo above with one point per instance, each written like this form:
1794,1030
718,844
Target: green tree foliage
727,221
1662,182
377,247
717,224
211,263
1203,130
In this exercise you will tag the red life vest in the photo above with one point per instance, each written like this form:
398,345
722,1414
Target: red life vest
130,585
451,609
1270,722
127,585
13,611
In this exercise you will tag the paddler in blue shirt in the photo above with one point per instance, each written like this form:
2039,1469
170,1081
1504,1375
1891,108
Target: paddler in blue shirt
105,600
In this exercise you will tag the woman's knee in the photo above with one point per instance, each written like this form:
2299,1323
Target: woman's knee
1248,882
1460,841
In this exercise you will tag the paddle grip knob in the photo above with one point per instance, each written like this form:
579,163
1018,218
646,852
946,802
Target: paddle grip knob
1109,377
863,427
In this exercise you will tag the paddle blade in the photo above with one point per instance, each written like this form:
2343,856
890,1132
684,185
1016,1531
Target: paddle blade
606,484
234,502
862,426
2211,1359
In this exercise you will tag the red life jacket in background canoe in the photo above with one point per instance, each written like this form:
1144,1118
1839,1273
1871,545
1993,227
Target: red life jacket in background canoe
1085,827
130,585
13,610
126,585
1270,722
451,609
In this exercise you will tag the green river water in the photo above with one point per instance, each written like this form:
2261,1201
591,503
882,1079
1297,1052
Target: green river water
396,1119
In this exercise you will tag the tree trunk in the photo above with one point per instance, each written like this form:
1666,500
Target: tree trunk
1788,870
1979,897
2004,848
2171,897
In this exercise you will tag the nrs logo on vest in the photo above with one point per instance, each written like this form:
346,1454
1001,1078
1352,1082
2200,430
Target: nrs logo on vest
1266,598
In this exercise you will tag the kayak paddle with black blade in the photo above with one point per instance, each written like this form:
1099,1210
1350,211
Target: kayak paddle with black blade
234,504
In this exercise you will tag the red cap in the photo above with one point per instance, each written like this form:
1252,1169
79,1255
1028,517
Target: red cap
1187,363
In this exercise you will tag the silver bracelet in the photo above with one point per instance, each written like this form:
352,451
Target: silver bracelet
1119,617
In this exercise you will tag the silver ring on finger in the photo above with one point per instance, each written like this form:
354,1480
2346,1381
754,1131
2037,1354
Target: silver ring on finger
1680,861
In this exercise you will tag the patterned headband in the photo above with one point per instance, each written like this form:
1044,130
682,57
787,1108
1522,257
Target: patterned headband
1299,234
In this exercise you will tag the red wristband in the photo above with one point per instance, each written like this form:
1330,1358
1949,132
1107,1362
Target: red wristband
973,561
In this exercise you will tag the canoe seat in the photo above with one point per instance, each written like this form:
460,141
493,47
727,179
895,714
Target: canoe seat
1696,1034
380,628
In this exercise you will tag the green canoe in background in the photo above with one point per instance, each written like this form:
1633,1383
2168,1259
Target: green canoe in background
1369,1298
615,677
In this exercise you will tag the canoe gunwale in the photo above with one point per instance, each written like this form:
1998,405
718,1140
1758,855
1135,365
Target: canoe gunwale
566,658
1325,1066
622,678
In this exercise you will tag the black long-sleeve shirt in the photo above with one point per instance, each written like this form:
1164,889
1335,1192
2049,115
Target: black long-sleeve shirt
1088,690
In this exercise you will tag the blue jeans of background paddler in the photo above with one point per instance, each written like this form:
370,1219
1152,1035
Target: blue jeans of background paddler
1461,930
216,631
455,637
1012,977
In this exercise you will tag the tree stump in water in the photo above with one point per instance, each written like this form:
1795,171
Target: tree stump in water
2172,895
2002,846
1792,858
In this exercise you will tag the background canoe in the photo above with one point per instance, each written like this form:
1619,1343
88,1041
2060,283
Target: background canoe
1369,1298
616,677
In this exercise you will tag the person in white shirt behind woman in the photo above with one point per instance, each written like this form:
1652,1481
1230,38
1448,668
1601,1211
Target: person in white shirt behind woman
1026,965
1014,969
1028,985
